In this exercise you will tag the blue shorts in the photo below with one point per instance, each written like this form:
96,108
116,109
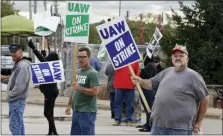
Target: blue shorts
83,123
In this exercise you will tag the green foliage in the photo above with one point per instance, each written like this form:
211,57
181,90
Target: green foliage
24,43
201,29
149,25
93,34
7,8
9,40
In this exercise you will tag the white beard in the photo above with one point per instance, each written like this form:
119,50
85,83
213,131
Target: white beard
178,64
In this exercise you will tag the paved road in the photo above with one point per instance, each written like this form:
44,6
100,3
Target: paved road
35,123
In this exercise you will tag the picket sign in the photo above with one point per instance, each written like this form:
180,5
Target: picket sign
45,24
153,42
74,63
77,20
140,91
121,47
77,27
47,72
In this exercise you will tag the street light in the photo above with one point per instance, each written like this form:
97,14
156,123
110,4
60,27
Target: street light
119,8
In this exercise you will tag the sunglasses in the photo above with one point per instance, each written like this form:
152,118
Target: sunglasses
82,57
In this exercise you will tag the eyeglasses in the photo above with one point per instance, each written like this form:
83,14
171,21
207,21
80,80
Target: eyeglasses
81,57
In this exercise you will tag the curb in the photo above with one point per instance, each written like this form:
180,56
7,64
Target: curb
103,107
100,107
212,116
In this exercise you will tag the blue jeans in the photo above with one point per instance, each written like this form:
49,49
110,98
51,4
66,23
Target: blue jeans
150,96
16,123
112,101
83,123
126,95
169,131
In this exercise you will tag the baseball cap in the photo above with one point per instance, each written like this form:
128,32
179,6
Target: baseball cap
14,47
181,48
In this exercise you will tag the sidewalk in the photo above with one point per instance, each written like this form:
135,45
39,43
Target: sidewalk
37,98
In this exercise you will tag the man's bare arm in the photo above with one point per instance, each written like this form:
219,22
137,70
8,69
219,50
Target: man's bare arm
90,91
144,83
68,108
202,109
70,101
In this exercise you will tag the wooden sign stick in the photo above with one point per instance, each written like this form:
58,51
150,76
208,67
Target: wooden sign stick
140,90
43,47
74,62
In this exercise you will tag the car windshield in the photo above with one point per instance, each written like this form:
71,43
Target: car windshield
5,53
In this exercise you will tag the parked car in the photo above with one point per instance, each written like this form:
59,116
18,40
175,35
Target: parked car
6,61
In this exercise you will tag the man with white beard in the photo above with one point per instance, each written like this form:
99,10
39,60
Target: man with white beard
181,98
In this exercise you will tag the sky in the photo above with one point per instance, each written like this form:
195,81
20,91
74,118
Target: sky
106,9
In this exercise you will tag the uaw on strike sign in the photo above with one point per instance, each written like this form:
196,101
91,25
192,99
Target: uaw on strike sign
77,22
47,72
119,43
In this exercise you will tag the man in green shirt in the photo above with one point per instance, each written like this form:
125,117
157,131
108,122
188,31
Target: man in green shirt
83,99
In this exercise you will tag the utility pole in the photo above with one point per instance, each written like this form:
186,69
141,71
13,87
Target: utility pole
141,36
51,10
45,5
30,17
30,9
34,38
160,22
127,16
120,2
56,14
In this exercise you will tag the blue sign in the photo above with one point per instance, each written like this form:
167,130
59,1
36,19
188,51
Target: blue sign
47,72
119,43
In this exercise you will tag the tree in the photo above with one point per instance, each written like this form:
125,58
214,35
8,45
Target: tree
149,24
7,8
200,29
93,33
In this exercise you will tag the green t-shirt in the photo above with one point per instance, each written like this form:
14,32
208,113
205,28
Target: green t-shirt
81,102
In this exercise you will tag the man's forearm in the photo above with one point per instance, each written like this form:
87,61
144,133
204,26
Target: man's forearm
202,109
89,91
146,84
69,101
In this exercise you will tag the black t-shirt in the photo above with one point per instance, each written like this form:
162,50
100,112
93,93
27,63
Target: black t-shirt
159,68
148,71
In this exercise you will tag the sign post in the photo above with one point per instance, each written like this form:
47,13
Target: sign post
75,61
121,47
77,26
